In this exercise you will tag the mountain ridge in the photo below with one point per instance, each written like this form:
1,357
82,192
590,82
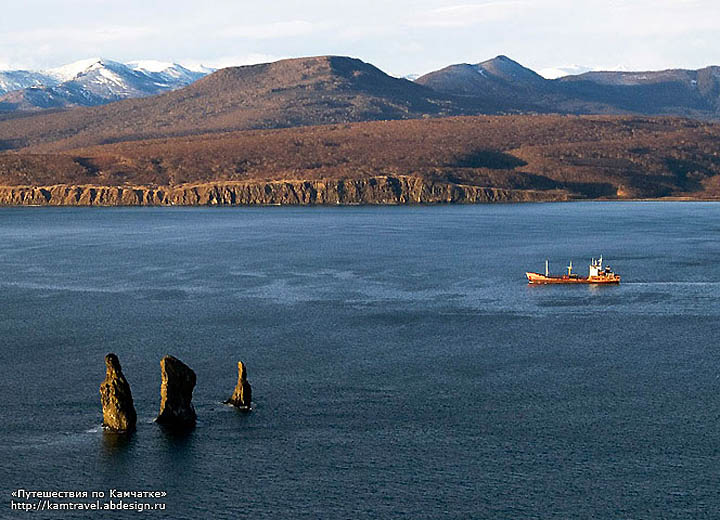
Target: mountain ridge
320,90
90,82
285,93
682,92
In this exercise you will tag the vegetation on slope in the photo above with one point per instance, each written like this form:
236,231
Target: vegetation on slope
582,157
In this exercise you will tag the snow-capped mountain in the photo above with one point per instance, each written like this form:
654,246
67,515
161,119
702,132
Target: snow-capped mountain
91,82
172,72
18,79
71,70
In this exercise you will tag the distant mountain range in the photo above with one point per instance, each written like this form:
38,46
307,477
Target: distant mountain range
319,130
323,90
286,94
91,82
504,83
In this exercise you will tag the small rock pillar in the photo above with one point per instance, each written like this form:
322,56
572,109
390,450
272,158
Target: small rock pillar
242,395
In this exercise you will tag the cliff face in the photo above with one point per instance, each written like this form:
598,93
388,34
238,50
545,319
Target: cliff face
242,396
176,389
376,190
117,403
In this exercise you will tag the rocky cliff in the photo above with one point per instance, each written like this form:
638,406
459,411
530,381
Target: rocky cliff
376,190
117,403
242,396
176,389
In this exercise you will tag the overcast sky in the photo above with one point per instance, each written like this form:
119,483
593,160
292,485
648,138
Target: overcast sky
399,36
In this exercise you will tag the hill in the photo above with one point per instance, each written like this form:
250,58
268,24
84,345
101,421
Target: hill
502,81
693,93
494,79
287,93
457,159
331,89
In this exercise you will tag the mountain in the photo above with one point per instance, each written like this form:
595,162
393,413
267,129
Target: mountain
498,82
283,94
286,93
171,73
89,83
325,90
677,92
504,81
19,79
318,130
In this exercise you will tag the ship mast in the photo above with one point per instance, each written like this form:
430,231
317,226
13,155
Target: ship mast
547,267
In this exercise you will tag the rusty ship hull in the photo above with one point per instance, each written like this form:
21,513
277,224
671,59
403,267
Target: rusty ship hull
598,274
541,279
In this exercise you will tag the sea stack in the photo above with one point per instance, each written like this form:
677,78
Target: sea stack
118,409
242,395
178,382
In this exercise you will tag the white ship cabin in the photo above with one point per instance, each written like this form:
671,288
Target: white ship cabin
596,267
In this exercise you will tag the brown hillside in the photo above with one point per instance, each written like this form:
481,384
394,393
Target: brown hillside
287,93
585,157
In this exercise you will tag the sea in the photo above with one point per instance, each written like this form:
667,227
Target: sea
401,366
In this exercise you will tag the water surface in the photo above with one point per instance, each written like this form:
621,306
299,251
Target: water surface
401,366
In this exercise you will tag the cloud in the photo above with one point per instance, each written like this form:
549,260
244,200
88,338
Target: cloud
402,35
269,30
468,14
75,34
563,70
664,19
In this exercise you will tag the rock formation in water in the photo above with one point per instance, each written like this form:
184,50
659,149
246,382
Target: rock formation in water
242,395
118,410
391,190
178,382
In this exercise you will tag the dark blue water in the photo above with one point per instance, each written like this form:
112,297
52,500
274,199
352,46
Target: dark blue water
401,366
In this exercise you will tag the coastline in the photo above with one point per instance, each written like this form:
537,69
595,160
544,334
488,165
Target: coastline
375,191
381,190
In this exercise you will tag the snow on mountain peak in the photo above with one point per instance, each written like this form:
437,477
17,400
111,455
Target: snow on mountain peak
194,67
96,80
172,71
150,65
71,70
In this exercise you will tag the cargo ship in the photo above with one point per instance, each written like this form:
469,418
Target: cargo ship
597,275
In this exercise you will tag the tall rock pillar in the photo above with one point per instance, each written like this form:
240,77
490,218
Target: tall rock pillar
178,382
117,403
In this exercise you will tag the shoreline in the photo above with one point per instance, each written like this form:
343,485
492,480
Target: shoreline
400,190
381,190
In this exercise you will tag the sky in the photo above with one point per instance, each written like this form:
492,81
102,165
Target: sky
401,37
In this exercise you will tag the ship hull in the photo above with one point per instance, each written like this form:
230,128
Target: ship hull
541,279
